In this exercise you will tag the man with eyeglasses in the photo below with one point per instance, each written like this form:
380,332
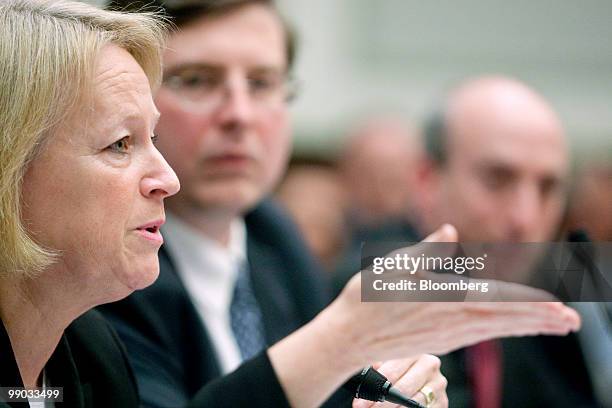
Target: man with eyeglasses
235,277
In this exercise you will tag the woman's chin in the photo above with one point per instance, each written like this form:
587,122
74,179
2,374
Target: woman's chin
141,275
145,278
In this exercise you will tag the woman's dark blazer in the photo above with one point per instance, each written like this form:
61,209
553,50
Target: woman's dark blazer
89,363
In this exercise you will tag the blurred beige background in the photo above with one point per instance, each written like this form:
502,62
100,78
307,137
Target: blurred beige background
363,56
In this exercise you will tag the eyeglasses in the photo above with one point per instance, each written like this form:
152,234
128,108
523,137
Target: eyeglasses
205,88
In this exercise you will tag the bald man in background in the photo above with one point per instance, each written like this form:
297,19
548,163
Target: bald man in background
496,166
497,163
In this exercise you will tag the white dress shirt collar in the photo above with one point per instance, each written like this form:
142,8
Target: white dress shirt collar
209,271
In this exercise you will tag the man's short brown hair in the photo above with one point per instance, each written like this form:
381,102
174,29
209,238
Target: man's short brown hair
184,12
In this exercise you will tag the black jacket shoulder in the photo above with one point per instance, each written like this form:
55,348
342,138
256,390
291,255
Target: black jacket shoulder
89,363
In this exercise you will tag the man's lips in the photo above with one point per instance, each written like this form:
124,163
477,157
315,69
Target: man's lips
229,159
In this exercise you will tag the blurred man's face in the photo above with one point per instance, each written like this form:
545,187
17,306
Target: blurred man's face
224,123
381,154
504,179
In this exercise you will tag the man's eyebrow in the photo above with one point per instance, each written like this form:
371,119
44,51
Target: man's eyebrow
205,66
267,70
192,66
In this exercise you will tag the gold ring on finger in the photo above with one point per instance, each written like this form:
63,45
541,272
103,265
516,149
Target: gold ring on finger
429,395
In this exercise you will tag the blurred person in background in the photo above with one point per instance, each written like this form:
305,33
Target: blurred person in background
314,196
235,278
496,166
590,206
377,167
590,211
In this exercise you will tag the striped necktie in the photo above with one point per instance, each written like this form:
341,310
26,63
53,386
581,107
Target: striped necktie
245,316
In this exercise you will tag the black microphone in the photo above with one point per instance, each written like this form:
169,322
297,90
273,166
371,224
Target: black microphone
371,385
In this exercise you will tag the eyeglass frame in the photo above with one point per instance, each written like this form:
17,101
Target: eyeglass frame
284,81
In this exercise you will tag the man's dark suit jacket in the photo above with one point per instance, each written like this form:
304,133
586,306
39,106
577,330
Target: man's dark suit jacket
168,344
89,363
542,371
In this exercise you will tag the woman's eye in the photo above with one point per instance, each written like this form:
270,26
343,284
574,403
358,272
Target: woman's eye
154,139
120,146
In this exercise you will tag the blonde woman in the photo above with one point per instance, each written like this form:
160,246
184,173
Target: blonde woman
81,192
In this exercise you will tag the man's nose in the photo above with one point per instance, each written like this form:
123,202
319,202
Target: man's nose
524,212
237,108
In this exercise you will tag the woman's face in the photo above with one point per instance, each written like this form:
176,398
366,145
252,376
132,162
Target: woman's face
96,191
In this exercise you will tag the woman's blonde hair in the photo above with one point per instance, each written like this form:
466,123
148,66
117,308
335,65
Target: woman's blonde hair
48,51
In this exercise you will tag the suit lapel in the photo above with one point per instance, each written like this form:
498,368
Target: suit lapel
189,330
272,291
